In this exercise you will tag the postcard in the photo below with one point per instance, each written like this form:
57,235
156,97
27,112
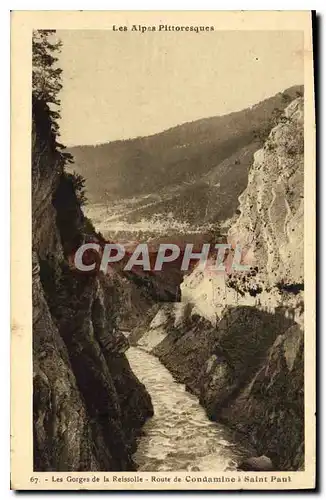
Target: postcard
163,250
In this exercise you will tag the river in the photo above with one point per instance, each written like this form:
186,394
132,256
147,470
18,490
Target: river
180,437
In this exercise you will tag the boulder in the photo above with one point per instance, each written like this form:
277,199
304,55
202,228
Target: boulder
261,463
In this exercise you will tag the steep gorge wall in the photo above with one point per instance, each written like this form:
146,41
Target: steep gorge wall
238,343
88,406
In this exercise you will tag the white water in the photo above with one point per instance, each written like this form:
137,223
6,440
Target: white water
179,437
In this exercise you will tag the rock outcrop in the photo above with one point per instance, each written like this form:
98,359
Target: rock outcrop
88,406
240,344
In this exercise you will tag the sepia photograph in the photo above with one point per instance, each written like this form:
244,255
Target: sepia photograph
168,200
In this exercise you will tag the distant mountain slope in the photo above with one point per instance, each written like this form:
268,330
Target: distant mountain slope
197,170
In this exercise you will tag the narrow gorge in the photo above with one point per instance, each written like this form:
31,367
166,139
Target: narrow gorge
233,345
176,369
89,404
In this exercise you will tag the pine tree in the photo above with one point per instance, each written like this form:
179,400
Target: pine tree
46,78
46,82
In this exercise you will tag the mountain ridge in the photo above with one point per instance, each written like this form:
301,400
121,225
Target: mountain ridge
194,171
188,122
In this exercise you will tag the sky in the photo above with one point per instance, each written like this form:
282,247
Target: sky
120,85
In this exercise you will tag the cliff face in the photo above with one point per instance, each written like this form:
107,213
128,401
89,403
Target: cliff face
271,225
88,406
237,341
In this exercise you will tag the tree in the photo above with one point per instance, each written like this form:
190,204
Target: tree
286,98
46,82
46,77
78,182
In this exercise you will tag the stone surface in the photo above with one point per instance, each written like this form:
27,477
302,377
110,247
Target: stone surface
261,463
88,406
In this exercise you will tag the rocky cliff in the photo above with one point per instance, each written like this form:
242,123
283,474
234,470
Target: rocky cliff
236,341
88,406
